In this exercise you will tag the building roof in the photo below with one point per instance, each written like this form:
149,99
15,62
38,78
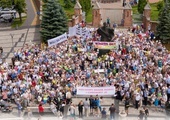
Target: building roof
77,5
147,7
96,5
128,6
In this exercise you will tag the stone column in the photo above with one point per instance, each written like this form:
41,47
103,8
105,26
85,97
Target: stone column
96,16
146,16
78,10
127,16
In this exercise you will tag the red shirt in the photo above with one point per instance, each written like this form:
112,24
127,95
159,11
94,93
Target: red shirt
41,109
33,83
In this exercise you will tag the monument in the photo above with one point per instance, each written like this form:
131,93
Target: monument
106,34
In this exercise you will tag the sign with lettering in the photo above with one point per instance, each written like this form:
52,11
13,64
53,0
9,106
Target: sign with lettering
96,90
105,45
57,40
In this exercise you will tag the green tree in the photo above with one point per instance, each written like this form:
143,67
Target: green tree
20,7
141,5
54,20
67,4
5,3
163,28
86,5
160,5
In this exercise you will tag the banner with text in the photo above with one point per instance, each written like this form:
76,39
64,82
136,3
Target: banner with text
105,45
96,90
79,31
57,40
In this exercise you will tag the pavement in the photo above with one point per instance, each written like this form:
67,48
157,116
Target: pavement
48,115
20,38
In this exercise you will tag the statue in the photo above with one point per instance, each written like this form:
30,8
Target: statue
105,32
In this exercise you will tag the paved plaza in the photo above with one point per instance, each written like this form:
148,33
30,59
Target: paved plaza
20,38
48,115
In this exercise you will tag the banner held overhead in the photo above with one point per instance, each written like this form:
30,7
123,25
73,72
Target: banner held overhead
96,90
57,40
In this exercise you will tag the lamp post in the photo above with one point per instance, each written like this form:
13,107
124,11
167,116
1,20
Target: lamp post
12,37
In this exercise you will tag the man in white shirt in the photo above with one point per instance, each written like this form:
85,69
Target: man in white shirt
137,99
68,97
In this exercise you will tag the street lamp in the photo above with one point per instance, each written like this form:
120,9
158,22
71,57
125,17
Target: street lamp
12,37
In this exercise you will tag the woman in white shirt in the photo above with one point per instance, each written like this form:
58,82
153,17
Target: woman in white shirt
72,110
53,108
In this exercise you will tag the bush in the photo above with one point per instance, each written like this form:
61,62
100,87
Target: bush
160,5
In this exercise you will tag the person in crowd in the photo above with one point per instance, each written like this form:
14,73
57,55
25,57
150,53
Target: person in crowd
137,100
72,110
146,111
108,22
19,107
103,114
141,115
127,104
86,107
91,104
62,109
156,103
68,96
41,109
112,110
80,109
29,114
53,108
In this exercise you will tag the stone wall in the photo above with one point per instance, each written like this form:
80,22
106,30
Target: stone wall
154,24
115,15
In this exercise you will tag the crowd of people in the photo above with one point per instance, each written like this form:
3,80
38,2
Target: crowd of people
138,68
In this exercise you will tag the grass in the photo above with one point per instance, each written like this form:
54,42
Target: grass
154,11
89,16
17,22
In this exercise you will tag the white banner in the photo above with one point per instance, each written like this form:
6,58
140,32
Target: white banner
57,40
99,71
79,31
72,31
96,90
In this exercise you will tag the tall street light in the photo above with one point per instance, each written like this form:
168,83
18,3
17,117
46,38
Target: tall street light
12,37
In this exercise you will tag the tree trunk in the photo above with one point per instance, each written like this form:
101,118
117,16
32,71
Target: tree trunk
20,17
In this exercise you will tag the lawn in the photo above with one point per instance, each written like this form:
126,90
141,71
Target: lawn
17,23
89,16
154,11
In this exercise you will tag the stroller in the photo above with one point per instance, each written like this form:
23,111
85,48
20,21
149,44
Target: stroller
5,106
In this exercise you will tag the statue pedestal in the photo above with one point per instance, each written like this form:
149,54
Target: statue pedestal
103,52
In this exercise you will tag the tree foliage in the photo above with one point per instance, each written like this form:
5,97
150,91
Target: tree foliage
86,5
163,28
160,5
5,3
20,7
54,20
141,5
67,4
